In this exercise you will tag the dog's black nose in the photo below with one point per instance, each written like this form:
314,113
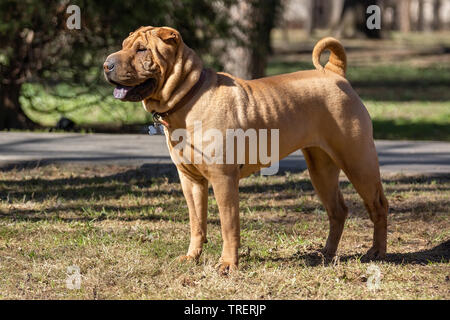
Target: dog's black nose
108,66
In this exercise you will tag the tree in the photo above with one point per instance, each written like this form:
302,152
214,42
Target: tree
22,51
420,18
404,16
247,50
354,18
436,14
36,44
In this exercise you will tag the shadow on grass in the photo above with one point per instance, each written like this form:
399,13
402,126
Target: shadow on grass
94,190
110,186
118,184
438,254
130,213
121,183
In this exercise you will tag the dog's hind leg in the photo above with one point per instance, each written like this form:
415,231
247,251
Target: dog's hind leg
360,164
324,175
196,194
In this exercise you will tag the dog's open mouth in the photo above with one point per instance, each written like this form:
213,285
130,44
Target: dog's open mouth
136,93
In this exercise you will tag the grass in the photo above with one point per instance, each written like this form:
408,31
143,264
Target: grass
124,227
88,109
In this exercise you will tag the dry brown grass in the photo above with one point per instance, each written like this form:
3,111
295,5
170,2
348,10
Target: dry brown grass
124,227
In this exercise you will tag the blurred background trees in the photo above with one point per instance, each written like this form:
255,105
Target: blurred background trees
36,45
48,71
347,18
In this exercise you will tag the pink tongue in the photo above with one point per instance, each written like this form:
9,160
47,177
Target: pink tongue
120,92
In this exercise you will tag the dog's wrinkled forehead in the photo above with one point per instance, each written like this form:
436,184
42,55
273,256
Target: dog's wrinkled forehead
140,34
145,35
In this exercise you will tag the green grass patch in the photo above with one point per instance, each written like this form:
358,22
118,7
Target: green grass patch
47,106
410,120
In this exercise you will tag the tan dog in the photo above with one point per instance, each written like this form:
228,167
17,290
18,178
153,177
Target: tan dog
316,111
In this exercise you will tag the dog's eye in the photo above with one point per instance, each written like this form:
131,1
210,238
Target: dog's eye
141,49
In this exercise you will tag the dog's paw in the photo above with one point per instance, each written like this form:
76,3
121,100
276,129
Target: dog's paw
186,259
225,268
328,255
327,252
375,253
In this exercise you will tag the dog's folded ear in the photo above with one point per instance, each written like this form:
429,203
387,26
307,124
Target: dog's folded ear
168,35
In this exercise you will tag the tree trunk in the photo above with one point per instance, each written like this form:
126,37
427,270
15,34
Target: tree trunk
246,55
337,7
404,16
420,18
11,113
436,18
237,55
310,21
353,20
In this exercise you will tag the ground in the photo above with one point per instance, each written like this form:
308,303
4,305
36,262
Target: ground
124,227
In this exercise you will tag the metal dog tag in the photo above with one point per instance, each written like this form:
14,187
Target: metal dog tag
153,130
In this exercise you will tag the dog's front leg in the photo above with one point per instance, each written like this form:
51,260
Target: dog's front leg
196,194
226,191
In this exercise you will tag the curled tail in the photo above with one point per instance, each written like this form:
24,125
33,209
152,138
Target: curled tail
338,58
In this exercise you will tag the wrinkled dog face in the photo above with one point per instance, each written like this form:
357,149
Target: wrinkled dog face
139,69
